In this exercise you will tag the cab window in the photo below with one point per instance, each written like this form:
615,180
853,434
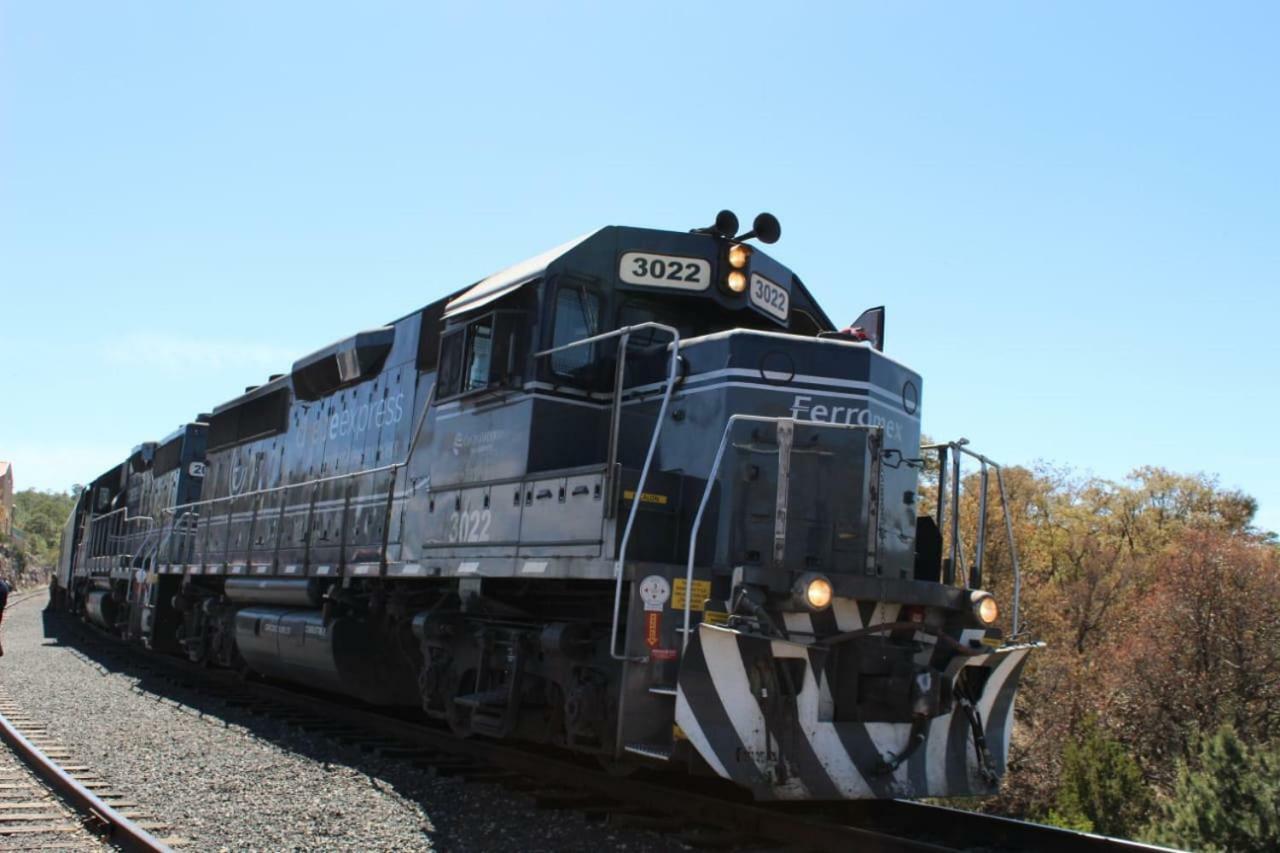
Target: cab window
637,311
577,317
486,353
479,354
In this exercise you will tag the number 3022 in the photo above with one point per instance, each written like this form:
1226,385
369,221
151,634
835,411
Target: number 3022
664,271
668,270
470,525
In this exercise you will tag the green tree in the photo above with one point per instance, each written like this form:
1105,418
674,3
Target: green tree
1101,787
40,516
1230,801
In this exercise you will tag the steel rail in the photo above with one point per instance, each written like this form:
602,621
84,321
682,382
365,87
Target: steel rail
118,828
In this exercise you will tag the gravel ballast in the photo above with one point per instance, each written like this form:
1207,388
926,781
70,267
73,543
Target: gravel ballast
228,780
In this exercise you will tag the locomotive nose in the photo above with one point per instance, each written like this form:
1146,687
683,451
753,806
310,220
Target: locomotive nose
826,482
786,720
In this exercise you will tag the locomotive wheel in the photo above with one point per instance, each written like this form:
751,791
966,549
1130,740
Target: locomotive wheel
458,716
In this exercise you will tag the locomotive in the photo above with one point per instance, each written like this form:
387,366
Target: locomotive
637,497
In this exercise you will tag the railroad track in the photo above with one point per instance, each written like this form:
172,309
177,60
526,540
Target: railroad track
31,815
50,802
703,813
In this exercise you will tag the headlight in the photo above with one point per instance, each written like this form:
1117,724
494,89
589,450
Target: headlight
739,255
737,281
814,591
985,607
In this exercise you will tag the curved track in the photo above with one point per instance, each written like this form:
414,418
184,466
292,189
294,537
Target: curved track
47,802
702,812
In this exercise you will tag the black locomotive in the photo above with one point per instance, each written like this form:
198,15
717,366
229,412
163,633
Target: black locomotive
637,496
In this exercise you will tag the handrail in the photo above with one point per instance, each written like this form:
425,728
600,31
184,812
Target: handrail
104,532
187,509
128,537
210,501
152,533
1013,551
173,527
625,333
960,448
711,481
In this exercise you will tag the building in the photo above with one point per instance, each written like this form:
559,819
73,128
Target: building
6,498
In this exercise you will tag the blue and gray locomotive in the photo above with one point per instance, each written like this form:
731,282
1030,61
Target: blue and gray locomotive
636,496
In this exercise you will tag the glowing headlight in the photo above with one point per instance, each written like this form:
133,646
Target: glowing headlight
739,255
737,281
815,591
985,607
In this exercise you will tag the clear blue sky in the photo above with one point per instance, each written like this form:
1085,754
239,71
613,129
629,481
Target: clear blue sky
1071,210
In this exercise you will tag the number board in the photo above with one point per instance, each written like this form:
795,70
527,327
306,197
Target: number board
770,298
665,271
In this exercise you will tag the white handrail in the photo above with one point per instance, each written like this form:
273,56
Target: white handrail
960,447
209,501
672,376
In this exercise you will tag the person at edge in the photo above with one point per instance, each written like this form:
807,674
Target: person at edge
5,588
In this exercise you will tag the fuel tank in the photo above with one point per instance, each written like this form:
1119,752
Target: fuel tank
342,656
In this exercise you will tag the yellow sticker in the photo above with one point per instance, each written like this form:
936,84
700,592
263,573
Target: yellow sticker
645,497
701,592
715,617
677,733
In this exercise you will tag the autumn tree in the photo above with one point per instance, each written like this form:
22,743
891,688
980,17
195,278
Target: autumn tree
1095,561
1205,649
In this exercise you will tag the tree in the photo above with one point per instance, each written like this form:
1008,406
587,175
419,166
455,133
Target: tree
1230,801
1204,649
1101,787
40,516
1113,574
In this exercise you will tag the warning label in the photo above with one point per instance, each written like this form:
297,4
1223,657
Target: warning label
701,592
652,628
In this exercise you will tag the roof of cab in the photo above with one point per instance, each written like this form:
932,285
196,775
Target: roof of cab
501,283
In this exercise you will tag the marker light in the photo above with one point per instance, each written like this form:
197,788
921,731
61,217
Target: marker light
737,281
985,607
739,255
815,591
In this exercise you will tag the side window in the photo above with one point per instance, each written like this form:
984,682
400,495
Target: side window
485,353
449,377
479,354
577,317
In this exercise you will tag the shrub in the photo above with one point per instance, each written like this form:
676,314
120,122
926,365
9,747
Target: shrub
1101,788
1229,801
